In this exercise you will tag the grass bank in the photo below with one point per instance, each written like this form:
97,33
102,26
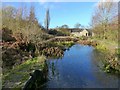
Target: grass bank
109,54
17,77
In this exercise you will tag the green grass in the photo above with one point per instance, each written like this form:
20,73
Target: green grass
16,77
66,43
101,47
110,54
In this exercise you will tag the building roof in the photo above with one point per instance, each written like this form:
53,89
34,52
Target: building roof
77,29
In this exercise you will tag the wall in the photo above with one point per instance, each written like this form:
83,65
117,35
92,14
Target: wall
82,33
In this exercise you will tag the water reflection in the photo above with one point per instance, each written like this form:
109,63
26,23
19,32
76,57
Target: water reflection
53,71
78,68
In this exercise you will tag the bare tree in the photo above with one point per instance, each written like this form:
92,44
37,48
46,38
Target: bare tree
77,25
7,16
65,26
22,22
32,14
103,14
47,20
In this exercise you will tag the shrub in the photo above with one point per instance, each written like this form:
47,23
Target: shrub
57,33
7,35
83,38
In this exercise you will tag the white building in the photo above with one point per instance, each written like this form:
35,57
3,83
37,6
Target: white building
80,32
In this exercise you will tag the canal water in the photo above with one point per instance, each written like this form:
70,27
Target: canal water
79,68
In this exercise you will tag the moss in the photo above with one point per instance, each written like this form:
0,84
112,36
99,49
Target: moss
20,74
